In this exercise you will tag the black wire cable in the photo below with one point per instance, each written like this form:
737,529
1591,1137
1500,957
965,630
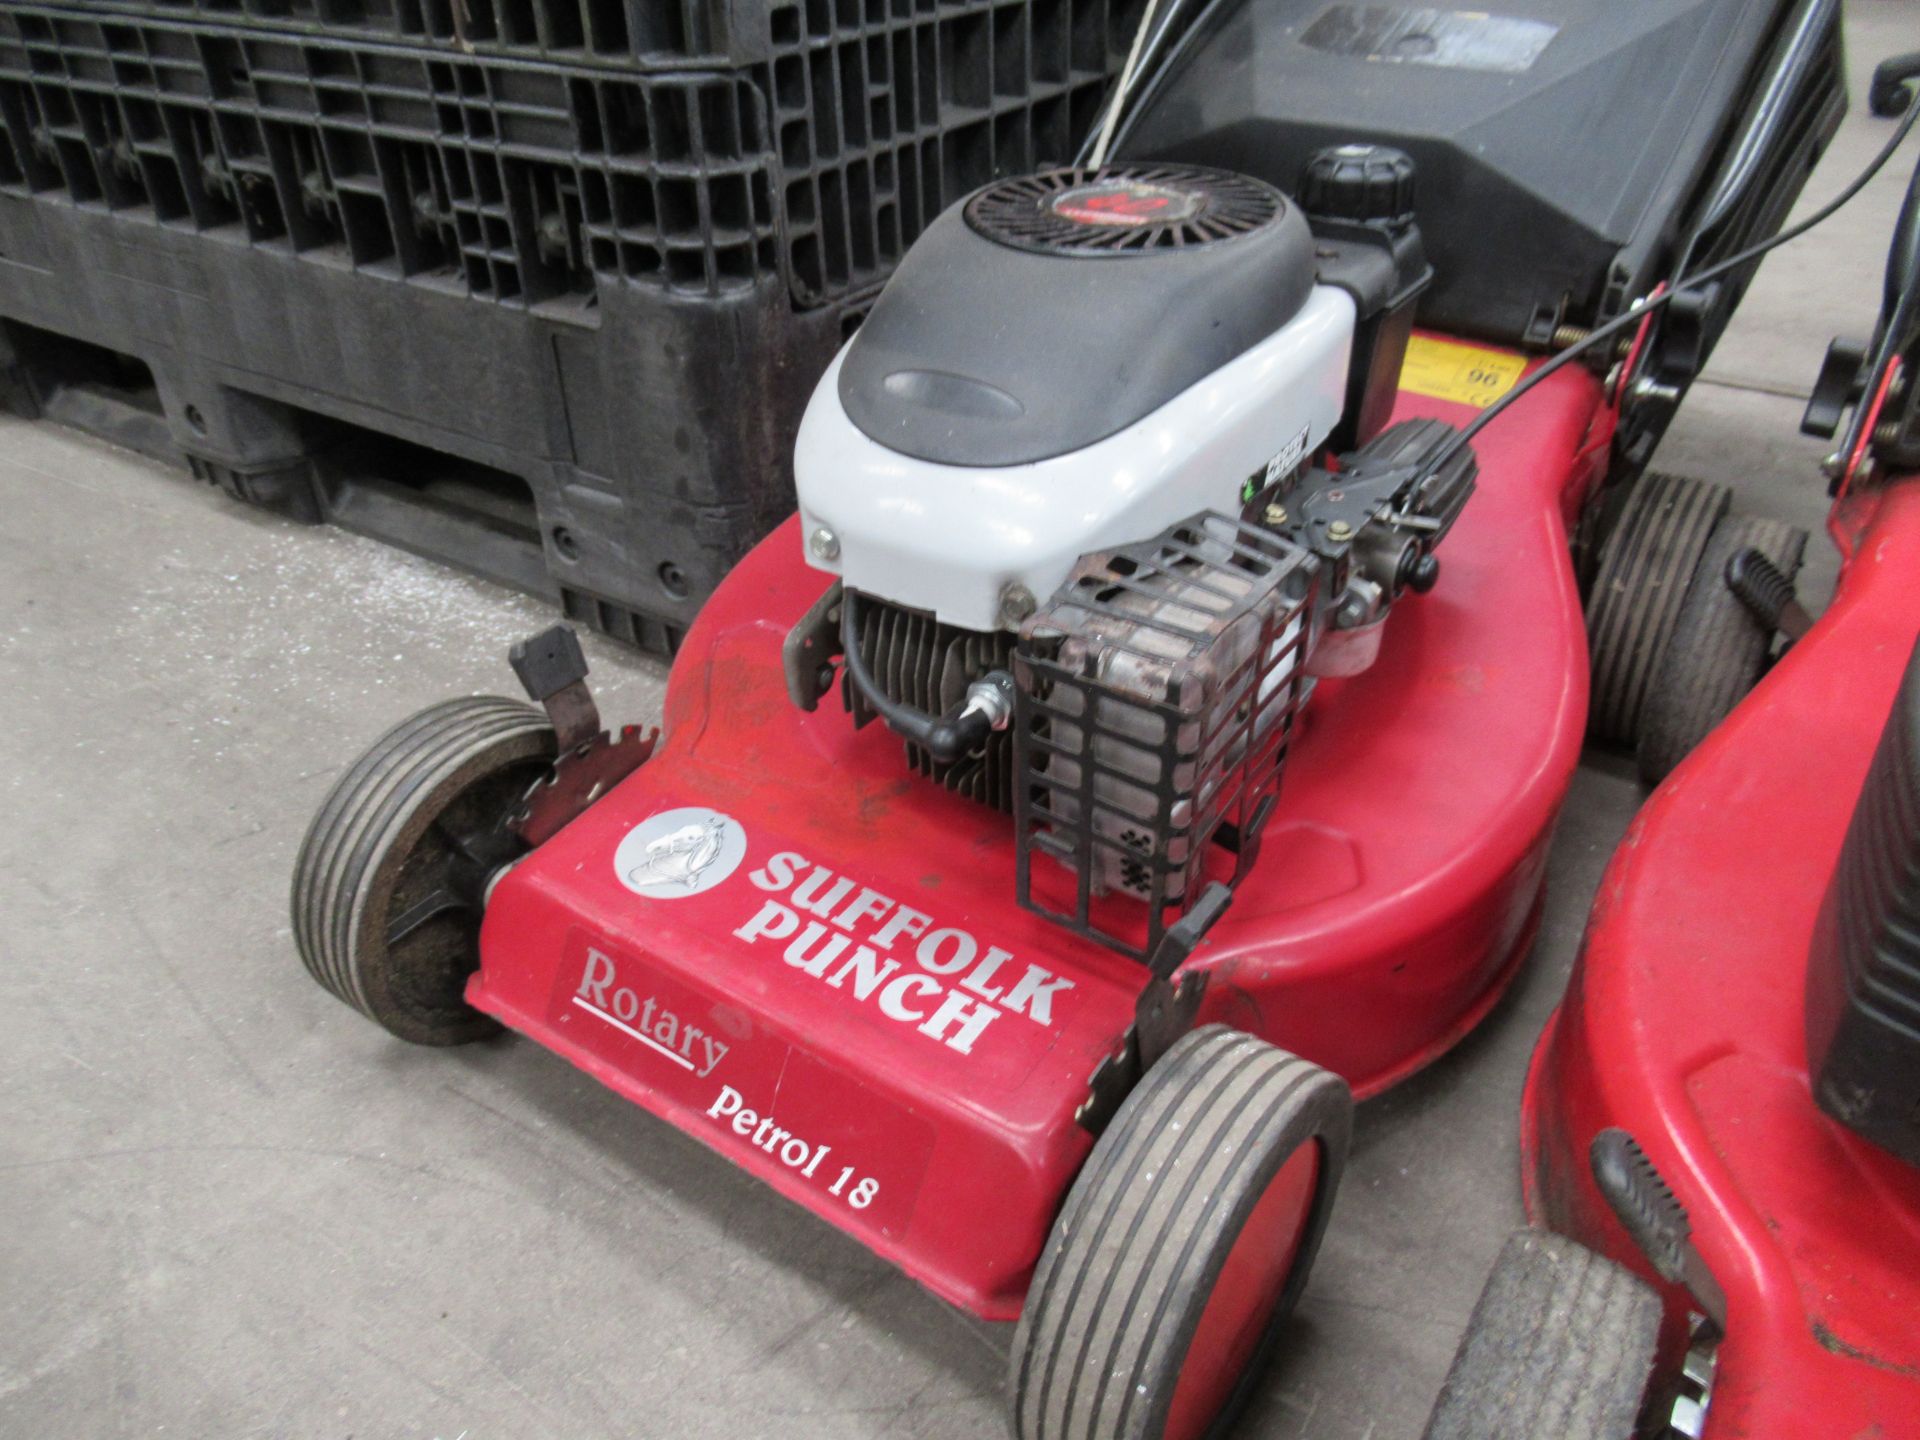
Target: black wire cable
1149,69
1640,309
945,737
1166,65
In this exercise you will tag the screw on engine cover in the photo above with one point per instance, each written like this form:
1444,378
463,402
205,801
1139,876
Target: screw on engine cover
1276,514
1016,603
824,544
1339,530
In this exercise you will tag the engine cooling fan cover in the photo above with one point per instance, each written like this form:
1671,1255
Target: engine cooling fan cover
992,345
1123,209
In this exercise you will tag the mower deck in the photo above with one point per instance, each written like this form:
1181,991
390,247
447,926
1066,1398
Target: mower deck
1684,1025
855,1009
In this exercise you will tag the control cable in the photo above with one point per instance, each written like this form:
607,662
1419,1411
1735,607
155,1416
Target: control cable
1636,313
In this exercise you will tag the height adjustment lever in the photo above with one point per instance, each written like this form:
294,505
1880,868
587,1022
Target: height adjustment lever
1767,594
553,669
1655,1219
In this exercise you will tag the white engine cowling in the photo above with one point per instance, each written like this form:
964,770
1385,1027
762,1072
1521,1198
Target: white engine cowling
1061,364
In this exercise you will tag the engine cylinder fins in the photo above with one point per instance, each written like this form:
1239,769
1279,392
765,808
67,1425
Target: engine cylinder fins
1133,208
919,661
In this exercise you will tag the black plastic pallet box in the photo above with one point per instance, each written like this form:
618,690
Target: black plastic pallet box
536,287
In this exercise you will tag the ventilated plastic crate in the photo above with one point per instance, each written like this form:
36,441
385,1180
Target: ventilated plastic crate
522,184
715,34
602,276
887,111
869,118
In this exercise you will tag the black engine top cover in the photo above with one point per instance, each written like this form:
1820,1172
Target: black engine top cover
1049,312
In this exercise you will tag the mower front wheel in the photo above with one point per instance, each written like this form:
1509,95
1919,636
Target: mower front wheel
1560,1347
1646,564
388,884
1182,1246
1718,652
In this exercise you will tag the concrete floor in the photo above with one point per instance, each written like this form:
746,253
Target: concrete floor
231,1207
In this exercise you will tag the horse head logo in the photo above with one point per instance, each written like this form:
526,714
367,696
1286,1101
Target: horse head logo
680,852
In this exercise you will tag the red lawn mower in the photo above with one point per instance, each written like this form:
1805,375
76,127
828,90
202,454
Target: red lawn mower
1727,1103
959,898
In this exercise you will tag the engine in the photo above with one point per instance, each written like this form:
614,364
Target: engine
1102,488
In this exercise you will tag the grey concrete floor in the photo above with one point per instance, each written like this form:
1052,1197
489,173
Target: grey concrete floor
231,1207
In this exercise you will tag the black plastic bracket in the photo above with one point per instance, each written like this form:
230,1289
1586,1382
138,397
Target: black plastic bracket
1839,385
553,670
1164,1012
1694,319
808,652
1891,91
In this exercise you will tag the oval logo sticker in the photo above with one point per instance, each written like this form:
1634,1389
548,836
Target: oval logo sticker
678,853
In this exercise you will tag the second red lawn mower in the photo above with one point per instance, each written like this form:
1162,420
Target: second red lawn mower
1721,1128
959,899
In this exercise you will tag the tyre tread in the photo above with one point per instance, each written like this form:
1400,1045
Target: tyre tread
366,813
1644,571
1134,1250
1719,650
1559,1347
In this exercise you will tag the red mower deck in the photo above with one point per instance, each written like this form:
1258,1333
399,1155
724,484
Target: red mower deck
854,1008
1684,1025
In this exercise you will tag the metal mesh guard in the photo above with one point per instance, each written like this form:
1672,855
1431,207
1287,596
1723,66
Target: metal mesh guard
1155,697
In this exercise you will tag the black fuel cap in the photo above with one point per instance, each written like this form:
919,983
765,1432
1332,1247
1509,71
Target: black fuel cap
1361,183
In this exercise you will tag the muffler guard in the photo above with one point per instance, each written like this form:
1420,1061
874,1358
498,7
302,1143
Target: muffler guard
1154,697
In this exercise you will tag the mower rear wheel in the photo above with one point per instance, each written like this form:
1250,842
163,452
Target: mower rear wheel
386,889
1718,651
1182,1246
1646,565
1559,1347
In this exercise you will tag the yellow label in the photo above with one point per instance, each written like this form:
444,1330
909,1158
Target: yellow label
1464,374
